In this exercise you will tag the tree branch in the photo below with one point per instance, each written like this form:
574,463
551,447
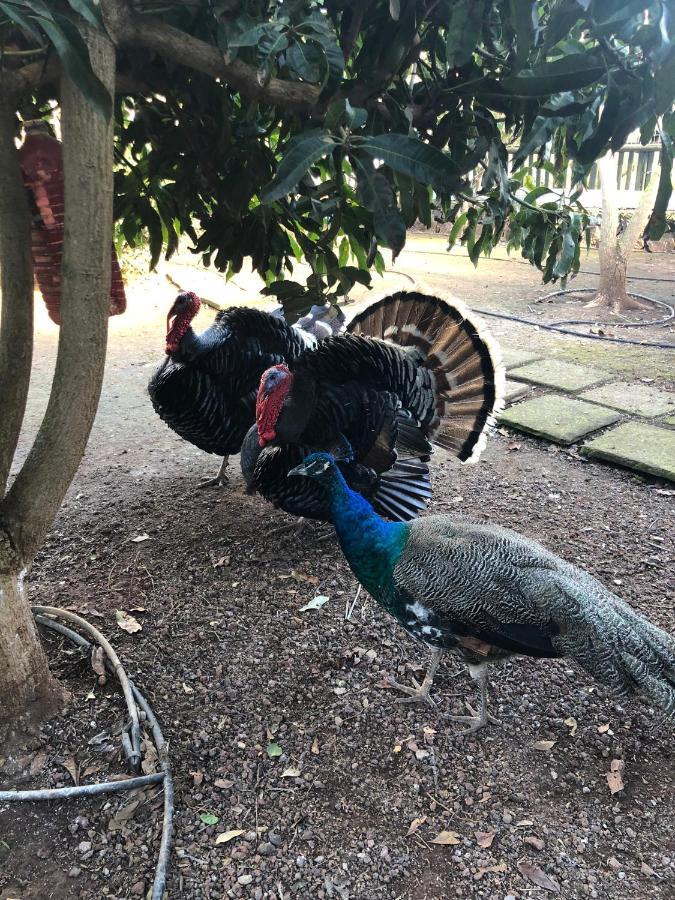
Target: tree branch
177,46
16,329
33,500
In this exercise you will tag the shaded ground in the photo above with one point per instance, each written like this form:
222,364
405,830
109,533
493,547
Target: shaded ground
232,666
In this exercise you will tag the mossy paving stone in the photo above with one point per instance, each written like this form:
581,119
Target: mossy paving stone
563,376
513,358
514,390
644,448
558,419
636,399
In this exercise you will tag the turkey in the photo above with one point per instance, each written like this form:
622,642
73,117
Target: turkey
413,369
205,389
489,593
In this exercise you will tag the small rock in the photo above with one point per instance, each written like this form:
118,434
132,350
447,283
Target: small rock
84,847
74,872
507,818
534,841
614,864
138,889
275,838
300,861
245,879
266,848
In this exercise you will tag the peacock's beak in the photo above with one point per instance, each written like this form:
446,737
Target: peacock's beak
298,470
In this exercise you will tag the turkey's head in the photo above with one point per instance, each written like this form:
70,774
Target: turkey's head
275,386
185,308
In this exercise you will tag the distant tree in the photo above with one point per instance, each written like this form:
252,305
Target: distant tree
279,132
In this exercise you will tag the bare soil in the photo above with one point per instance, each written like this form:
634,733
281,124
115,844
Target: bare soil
235,670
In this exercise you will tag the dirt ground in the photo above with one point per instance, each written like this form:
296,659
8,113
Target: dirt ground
237,673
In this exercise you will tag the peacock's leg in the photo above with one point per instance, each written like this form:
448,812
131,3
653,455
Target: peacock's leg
420,693
220,478
477,719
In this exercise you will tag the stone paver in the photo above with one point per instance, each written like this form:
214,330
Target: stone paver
633,398
637,446
514,390
513,357
564,376
558,419
670,420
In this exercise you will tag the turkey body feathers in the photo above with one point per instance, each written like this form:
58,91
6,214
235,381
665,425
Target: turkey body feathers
488,593
384,388
205,391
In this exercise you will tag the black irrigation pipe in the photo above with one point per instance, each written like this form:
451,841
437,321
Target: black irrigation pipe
667,318
134,700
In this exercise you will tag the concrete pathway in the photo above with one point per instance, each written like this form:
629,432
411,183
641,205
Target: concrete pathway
631,424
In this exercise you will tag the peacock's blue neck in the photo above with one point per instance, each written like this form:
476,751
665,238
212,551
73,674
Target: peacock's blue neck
371,545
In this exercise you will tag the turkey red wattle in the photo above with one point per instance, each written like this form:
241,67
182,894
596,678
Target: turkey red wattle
185,308
275,386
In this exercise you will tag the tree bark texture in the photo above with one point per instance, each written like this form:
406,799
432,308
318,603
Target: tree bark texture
16,324
28,510
614,251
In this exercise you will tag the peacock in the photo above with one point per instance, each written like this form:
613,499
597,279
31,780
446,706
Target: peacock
413,369
489,593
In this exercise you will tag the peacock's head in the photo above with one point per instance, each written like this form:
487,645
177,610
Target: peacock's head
319,467
275,386
185,308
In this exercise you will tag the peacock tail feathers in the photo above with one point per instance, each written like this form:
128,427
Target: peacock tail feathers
459,351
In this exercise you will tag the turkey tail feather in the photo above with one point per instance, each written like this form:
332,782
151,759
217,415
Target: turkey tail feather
404,491
461,355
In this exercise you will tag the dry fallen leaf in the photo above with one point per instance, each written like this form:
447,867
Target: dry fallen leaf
140,538
197,778
572,724
291,772
447,838
534,841
90,770
614,776
126,622
38,762
603,728
484,870
223,783
485,838
415,824
225,836
647,870
315,746
120,819
300,576
539,877
72,768
543,745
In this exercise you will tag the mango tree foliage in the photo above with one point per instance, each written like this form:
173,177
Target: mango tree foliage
277,132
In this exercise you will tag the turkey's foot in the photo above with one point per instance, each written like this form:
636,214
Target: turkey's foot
220,479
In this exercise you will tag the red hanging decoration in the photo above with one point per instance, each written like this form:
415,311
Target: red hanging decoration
42,166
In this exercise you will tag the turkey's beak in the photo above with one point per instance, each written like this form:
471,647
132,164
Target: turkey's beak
170,316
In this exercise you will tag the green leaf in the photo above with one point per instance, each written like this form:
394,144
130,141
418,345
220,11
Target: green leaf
566,257
209,818
305,151
464,31
413,157
88,10
74,55
523,14
537,192
459,223
24,24
565,74
395,9
251,37
378,197
356,116
273,750
343,252
306,59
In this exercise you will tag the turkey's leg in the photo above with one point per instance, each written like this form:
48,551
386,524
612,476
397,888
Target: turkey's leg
420,693
219,480
481,718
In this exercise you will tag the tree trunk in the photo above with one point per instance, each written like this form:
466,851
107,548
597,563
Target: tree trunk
16,325
28,510
615,250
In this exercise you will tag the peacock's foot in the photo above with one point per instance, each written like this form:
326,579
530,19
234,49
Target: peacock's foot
418,694
475,721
